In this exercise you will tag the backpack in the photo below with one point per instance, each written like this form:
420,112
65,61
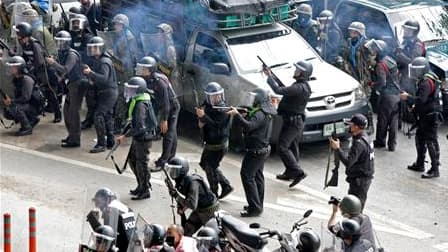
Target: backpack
38,100
436,92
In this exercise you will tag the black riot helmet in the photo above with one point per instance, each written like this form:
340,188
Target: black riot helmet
418,67
303,71
148,63
350,229
104,238
153,235
214,94
95,46
177,167
19,62
411,28
23,29
73,11
207,239
261,97
103,197
63,40
309,241
350,204
135,85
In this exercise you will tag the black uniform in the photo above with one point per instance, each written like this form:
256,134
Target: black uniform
330,45
359,163
427,111
360,245
69,66
34,55
216,132
142,131
105,82
409,50
292,109
79,42
197,197
167,108
257,132
22,108
308,31
93,14
386,84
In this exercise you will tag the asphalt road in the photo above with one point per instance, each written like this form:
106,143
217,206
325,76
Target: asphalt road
409,214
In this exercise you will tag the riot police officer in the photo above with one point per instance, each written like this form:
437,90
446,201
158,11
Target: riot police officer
215,126
329,38
101,74
115,214
34,55
257,127
166,52
191,192
68,66
411,48
358,161
350,235
125,51
166,106
21,108
307,27
292,109
385,83
40,32
142,129
92,10
79,30
427,109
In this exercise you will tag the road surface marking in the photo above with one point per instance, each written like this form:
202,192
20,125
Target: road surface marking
442,247
281,204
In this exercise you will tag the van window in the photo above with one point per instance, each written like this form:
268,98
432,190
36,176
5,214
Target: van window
377,25
208,50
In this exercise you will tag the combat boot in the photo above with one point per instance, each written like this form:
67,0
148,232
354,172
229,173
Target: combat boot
417,167
24,131
431,173
57,115
98,148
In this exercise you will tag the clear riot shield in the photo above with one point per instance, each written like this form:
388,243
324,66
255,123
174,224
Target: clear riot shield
139,236
15,8
329,242
97,214
151,43
109,38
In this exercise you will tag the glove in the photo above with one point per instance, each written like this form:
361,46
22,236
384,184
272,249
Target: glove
173,193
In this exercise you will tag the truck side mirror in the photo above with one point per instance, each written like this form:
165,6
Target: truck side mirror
220,68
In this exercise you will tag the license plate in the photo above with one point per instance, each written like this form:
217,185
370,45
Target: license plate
338,127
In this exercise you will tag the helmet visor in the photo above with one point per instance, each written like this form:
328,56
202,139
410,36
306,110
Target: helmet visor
173,170
409,31
215,98
95,49
62,43
140,69
249,99
76,24
416,72
204,243
129,91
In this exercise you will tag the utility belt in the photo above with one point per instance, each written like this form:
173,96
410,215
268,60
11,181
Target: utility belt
293,118
262,151
216,147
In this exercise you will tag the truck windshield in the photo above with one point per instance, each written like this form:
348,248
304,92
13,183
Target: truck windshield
274,48
433,22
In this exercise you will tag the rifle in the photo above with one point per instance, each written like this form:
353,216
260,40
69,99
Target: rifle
63,14
335,172
265,66
196,100
4,45
225,109
171,187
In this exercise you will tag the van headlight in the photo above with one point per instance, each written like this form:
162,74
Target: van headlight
359,93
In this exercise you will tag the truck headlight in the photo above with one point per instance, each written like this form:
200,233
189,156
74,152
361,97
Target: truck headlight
359,94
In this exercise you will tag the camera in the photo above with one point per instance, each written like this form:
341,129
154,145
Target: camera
334,200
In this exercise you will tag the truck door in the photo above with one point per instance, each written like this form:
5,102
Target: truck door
206,61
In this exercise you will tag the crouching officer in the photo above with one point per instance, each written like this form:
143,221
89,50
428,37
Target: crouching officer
216,129
292,109
68,66
359,161
166,106
142,128
23,107
191,193
385,83
427,109
350,234
115,214
257,127
101,74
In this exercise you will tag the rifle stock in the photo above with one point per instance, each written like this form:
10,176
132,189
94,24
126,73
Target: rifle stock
4,45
